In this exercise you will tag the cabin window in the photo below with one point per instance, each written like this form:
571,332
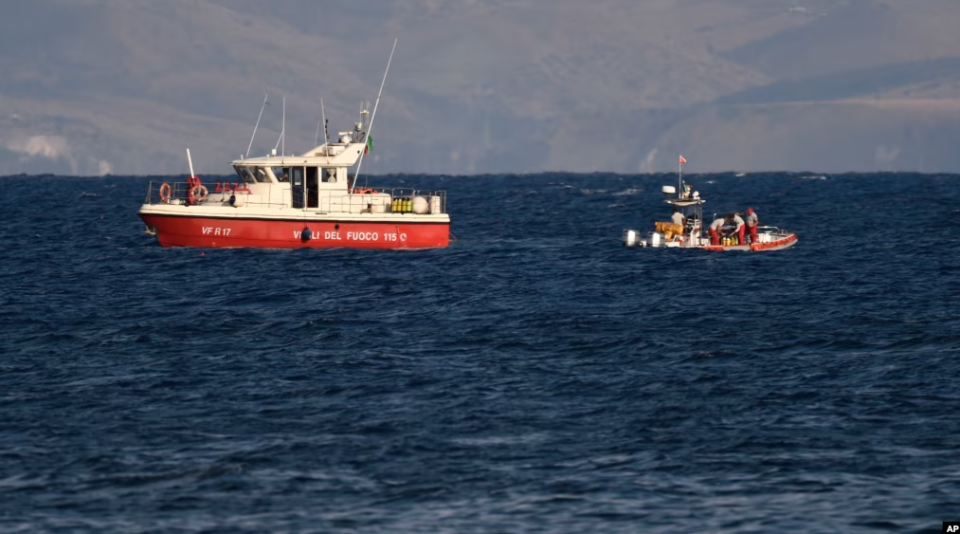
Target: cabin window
282,174
296,173
261,175
245,175
329,175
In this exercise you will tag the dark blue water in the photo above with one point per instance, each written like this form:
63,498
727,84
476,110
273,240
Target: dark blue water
535,376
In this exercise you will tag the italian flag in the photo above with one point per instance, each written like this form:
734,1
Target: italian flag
369,148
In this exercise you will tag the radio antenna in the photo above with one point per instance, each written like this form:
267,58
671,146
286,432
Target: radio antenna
283,127
257,125
374,116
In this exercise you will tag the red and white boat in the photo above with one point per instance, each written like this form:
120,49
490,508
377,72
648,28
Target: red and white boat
305,201
691,233
296,202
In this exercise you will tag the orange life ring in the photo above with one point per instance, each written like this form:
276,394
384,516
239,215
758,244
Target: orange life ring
165,191
199,193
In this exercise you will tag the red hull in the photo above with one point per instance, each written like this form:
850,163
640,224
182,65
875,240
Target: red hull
775,245
778,244
174,231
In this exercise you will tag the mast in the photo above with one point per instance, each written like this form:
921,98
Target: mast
326,137
680,177
680,162
374,116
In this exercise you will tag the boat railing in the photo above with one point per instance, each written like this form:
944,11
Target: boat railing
415,201
391,200
184,193
362,200
773,230
168,192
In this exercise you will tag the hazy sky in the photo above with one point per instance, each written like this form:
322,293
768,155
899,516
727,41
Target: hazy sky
124,86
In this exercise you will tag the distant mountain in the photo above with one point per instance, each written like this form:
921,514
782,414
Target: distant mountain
125,86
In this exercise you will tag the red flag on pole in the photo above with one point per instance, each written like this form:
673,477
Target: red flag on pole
682,159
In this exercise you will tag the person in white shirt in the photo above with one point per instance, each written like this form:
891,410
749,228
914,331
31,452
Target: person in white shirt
715,231
741,227
678,217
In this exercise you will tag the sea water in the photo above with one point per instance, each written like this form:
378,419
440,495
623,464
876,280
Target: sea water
534,376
